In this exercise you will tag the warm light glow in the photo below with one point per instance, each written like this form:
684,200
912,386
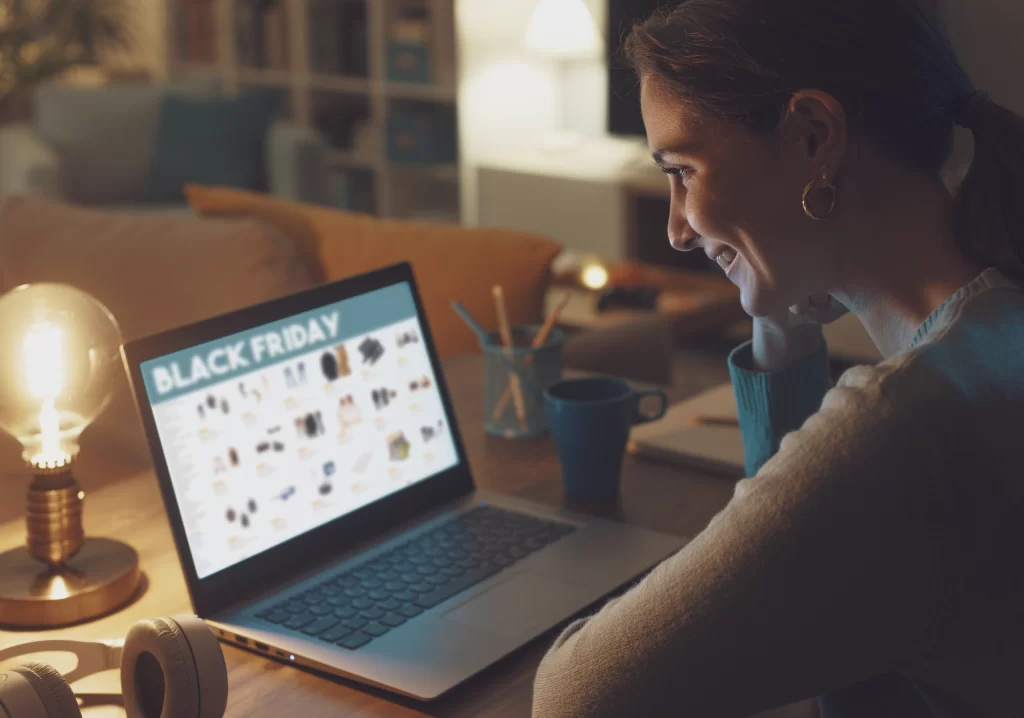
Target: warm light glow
59,587
50,454
563,28
594,276
43,354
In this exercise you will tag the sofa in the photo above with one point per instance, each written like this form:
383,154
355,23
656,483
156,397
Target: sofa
101,146
155,272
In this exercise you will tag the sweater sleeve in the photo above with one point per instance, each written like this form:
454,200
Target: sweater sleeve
838,562
772,404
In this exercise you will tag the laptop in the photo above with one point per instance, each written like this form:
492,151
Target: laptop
322,506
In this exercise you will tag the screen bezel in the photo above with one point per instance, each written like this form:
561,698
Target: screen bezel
291,559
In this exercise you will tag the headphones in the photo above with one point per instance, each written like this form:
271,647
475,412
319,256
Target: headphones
170,668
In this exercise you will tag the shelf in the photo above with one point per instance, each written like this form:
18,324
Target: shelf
197,68
275,78
340,83
448,173
413,91
341,158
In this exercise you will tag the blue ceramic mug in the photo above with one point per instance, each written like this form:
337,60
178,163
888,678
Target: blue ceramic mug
589,421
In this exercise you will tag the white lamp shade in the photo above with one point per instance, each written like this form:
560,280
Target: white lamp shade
563,28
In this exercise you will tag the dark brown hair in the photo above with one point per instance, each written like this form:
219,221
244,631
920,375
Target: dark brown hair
888,62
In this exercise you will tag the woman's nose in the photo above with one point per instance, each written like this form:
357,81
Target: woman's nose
685,243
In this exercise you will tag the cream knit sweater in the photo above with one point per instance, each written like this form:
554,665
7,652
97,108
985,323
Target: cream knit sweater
884,537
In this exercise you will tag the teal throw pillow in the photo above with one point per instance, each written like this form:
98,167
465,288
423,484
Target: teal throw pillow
215,141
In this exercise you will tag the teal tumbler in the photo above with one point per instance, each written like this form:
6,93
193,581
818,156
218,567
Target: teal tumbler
534,369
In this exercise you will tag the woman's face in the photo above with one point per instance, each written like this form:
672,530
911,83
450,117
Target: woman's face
736,195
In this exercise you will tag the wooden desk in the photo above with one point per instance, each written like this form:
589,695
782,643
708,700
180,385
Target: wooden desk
654,496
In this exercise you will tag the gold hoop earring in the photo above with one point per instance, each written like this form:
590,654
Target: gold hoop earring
828,187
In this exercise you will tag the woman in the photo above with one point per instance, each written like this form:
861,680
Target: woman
873,557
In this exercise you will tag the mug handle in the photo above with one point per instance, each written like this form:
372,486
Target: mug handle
640,418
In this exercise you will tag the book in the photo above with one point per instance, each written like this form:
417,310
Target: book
700,433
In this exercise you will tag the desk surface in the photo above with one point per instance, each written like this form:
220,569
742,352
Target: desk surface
654,496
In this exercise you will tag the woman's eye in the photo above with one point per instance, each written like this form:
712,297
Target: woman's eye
678,174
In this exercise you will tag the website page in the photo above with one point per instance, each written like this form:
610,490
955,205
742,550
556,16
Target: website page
275,431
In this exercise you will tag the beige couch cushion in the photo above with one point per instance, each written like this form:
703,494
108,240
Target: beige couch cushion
152,272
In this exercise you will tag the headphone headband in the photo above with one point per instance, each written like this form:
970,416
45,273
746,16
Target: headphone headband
93,656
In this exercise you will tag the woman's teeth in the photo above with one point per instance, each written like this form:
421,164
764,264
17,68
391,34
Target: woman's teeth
725,258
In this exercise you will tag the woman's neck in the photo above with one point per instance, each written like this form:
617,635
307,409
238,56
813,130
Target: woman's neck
899,260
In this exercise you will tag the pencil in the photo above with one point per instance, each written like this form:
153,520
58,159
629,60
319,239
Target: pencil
506,339
726,421
538,342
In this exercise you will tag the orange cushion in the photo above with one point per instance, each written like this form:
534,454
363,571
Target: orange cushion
449,262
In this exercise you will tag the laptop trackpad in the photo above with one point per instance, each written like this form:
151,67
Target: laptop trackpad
526,603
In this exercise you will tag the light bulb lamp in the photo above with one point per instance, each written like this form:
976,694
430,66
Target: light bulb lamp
563,32
59,362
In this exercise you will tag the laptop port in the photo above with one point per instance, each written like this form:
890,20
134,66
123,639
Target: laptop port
242,639
261,646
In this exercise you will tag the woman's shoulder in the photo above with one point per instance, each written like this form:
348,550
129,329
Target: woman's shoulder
975,359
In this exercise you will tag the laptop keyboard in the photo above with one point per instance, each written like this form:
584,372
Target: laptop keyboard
365,602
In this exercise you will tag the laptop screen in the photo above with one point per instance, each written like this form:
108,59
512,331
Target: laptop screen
275,431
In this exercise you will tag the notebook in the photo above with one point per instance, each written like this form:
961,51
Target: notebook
715,448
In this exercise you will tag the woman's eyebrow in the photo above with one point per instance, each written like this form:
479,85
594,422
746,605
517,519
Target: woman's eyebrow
660,154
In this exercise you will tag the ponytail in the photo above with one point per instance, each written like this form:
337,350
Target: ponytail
988,213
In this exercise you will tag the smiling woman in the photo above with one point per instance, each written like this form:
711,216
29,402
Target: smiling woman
868,558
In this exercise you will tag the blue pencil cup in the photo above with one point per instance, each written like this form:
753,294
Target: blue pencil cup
535,370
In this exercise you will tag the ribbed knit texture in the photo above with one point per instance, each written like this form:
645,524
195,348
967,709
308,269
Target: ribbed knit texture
872,560
772,404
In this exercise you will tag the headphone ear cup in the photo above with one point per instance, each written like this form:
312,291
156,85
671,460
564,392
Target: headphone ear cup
53,691
211,669
158,673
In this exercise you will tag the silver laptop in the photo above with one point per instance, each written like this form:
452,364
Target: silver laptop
322,505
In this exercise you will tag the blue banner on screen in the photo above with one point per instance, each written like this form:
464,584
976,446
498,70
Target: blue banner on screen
217,361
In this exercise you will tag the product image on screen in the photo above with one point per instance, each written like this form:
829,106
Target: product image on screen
277,430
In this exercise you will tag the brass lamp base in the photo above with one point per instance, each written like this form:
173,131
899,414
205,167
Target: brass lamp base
102,576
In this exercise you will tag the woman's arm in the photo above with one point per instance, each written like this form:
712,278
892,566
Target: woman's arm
829,567
779,379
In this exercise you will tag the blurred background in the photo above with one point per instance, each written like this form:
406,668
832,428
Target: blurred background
511,114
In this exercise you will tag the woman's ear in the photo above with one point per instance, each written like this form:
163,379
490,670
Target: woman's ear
815,128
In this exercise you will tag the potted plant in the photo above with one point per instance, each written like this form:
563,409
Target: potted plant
42,39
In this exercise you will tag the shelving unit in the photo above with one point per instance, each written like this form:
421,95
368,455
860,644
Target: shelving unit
377,77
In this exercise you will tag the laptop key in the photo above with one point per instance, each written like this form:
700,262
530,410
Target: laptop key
339,600
301,620
375,629
394,586
372,614
277,616
422,587
320,625
296,607
355,622
443,593
410,610
390,605
355,592
362,603
354,641
406,596
437,579
322,610
371,583
393,620
345,612
412,577
380,595
336,633
453,571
